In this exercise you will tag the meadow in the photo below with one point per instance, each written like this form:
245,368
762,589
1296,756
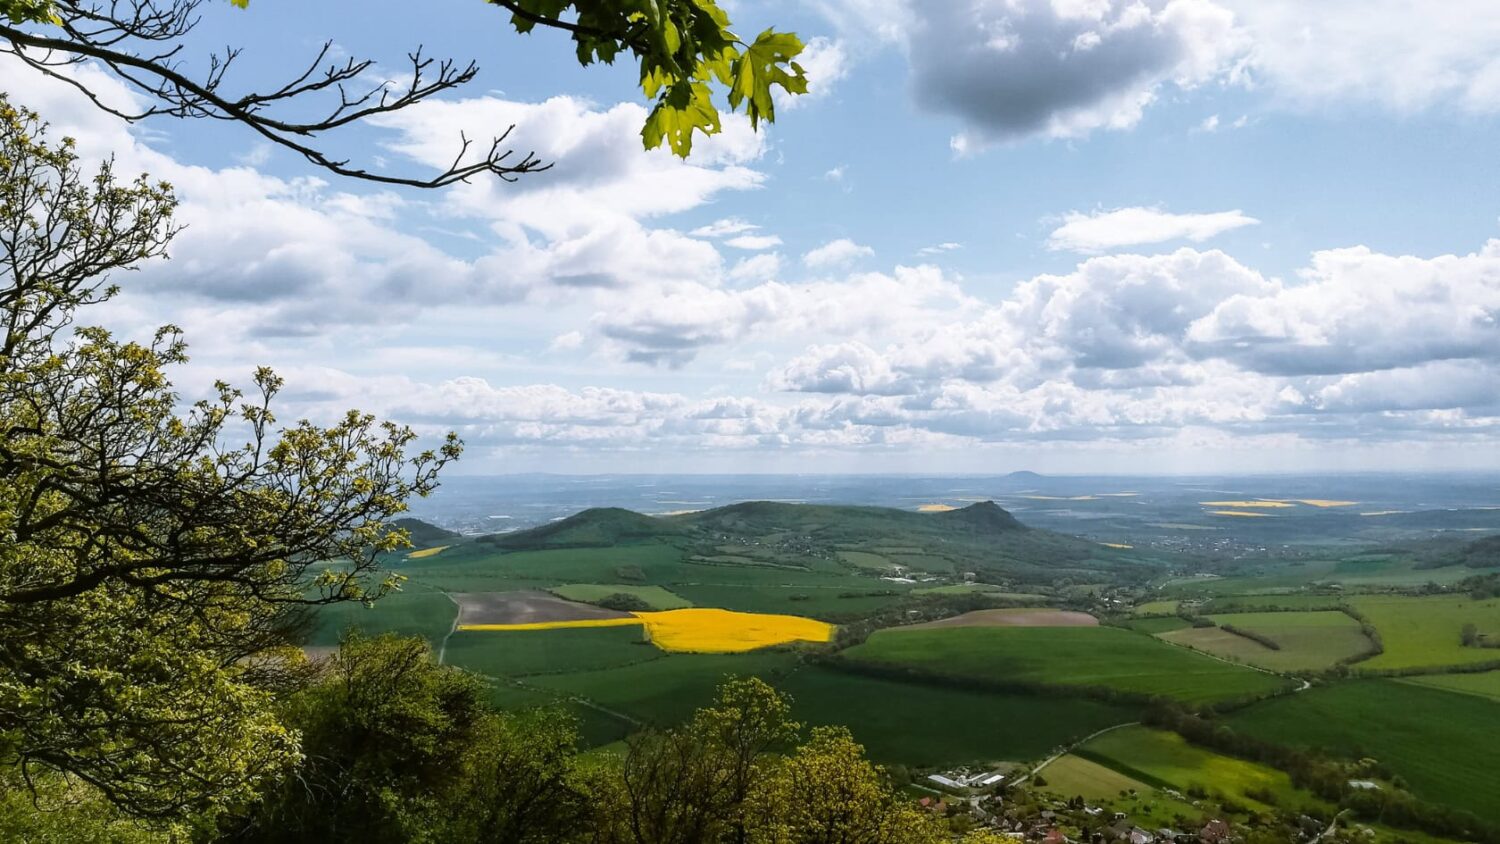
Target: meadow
1106,657
654,597
919,724
1158,757
664,691
1485,684
522,653
417,610
1441,742
1420,632
1310,641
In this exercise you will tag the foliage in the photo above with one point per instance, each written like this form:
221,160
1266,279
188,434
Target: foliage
151,570
683,47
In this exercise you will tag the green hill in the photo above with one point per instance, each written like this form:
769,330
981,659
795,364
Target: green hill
597,527
424,534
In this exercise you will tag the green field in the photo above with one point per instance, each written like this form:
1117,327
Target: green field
1065,656
1426,631
595,728
1155,756
666,690
1156,626
655,596
830,602
1443,743
1072,776
866,560
919,724
520,653
1157,608
1484,684
1310,641
987,589
417,610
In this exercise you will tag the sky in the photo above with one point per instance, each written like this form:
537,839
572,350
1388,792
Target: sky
1073,236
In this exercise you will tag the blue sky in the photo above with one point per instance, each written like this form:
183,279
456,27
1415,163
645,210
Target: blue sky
1059,235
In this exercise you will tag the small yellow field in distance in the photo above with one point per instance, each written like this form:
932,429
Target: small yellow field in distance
427,552
1325,502
1269,505
935,508
698,630
1240,513
1116,545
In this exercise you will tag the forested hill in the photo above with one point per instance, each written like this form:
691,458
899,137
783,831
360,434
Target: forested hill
980,537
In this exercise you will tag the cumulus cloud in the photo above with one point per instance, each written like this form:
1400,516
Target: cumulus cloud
1058,68
754,242
836,253
1395,54
1103,231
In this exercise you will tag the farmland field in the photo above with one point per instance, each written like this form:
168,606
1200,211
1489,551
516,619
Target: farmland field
1020,617
1065,656
835,601
414,611
654,596
1483,684
1157,608
1309,640
666,690
1425,631
921,724
1167,758
524,652
1073,776
1443,743
1157,624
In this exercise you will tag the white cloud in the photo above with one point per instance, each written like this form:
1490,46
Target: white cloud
940,248
1209,124
826,63
754,242
725,228
836,253
1397,54
1103,231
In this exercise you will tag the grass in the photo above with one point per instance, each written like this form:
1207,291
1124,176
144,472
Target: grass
1484,684
1425,631
989,590
1157,608
414,611
523,653
1162,757
1157,626
1075,776
1309,641
830,602
1065,656
667,690
1441,742
866,560
655,596
595,728
917,724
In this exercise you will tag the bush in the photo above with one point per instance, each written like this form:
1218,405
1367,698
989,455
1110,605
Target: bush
624,602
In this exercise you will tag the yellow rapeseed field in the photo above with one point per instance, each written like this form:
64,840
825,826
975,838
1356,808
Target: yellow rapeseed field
427,552
1116,545
704,630
935,508
1270,505
699,630
1326,502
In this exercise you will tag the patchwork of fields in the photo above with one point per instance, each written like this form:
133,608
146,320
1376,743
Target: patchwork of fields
1105,657
1308,641
1443,743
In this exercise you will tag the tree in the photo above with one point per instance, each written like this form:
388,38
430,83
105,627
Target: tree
826,792
683,47
151,571
690,784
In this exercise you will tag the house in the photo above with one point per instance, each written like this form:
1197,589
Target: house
1141,836
1364,785
945,782
1054,836
1214,832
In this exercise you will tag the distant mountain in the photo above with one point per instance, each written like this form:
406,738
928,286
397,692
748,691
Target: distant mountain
984,517
982,536
596,527
1025,476
424,534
